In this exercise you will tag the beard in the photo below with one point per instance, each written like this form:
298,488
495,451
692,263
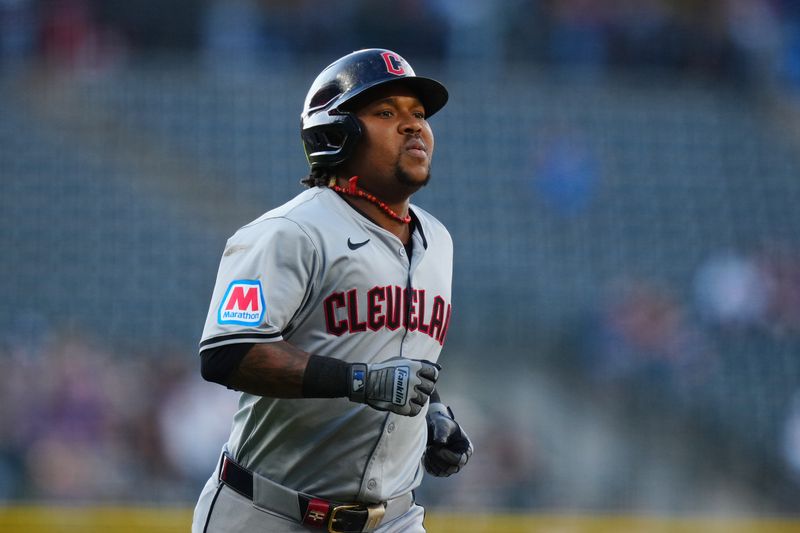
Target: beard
405,178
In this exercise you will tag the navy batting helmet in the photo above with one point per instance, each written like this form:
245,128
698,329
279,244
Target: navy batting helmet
329,131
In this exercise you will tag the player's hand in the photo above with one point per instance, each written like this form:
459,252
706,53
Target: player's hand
448,448
400,385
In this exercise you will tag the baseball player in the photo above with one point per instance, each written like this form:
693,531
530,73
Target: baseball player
329,313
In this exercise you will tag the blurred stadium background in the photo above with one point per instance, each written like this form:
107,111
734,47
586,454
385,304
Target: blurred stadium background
621,179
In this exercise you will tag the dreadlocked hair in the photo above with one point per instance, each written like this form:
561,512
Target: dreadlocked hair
318,178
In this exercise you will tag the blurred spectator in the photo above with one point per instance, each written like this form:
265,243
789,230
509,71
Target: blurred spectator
755,32
285,27
578,32
526,31
732,291
598,35
153,26
195,423
781,267
247,33
409,27
567,173
18,29
504,475
640,33
510,470
67,422
73,35
789,62
232,34
317,28
642,336
81,423
67,31
791,437
731,40
474,33
761,291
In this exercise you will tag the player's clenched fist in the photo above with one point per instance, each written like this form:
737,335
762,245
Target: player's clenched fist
400,385
448,448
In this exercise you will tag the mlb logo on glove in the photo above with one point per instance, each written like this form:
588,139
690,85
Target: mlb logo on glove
358,380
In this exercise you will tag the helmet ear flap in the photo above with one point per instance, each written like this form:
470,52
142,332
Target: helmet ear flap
330,139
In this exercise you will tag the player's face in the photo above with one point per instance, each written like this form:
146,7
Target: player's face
393,157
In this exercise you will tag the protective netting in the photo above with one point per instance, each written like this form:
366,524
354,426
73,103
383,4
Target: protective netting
627,280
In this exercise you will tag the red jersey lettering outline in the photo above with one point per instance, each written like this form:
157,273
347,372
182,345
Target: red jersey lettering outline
386,308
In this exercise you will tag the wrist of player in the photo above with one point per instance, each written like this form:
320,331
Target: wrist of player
325,377
400,385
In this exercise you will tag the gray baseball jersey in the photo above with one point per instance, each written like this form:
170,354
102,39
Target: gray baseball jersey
318,274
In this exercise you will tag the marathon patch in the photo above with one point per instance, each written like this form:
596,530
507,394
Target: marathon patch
243,303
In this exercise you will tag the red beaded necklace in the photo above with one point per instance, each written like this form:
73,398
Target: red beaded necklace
353,190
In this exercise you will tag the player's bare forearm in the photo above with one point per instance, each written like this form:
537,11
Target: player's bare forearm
273,369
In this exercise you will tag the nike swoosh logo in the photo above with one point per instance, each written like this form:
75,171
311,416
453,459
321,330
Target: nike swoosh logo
355,245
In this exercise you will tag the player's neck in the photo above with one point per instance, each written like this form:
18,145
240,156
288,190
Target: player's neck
393,217
400,229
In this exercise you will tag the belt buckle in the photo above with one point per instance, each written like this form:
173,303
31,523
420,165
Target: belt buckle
375,514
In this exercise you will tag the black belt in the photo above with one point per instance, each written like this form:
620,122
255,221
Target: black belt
316,512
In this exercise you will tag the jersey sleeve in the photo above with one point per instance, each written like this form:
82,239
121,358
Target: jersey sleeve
265,277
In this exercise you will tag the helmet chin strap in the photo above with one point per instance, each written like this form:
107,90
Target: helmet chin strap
353,190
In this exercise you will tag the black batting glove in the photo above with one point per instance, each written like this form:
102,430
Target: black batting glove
399,385
448,448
